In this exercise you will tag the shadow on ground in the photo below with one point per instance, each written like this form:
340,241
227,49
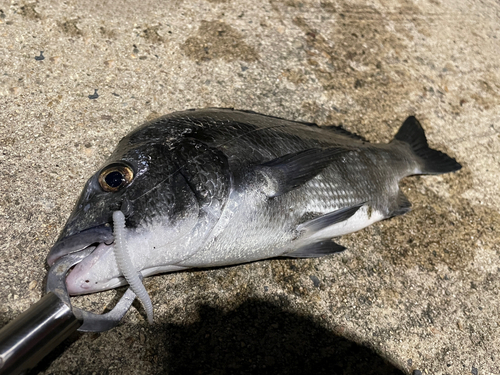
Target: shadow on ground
261,338
255,338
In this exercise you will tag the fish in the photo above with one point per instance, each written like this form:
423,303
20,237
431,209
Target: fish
217,187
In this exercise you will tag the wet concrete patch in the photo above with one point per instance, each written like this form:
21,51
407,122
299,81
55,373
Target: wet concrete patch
151,34
362,33
29,11
108,32
70,27
355,56
218,40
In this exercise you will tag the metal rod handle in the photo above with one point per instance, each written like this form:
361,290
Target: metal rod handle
35,333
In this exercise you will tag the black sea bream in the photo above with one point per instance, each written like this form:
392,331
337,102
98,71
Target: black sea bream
214,187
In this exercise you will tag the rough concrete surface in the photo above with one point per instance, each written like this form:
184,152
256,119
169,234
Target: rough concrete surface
414,293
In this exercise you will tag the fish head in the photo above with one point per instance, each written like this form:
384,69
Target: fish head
154,184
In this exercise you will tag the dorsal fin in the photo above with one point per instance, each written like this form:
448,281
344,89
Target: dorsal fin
340,130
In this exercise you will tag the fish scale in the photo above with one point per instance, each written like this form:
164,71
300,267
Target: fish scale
215,187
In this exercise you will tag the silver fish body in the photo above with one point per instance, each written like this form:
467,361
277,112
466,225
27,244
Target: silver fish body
215,187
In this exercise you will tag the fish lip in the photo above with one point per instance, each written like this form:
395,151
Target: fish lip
80,241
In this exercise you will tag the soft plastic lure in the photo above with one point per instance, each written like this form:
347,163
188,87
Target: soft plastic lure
125,264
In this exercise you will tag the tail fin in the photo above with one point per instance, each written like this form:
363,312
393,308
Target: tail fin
432,161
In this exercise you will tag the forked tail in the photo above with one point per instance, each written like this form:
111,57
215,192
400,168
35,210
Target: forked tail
431,161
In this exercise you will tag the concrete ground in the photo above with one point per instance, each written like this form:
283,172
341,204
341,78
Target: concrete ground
417,294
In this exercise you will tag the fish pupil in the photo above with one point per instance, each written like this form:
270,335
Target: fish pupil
114,179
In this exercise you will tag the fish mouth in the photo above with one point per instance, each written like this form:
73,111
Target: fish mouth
95,273
80,241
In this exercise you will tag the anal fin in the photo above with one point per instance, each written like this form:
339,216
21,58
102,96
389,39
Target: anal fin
401,206
316,249
328,219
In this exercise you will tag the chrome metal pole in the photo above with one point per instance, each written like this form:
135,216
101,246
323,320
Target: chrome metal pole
36,332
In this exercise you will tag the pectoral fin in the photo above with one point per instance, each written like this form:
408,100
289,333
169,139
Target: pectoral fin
292,170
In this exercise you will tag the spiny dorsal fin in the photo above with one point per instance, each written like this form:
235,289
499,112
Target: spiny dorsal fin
339,129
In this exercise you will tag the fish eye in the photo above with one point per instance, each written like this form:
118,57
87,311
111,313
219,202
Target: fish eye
115,176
